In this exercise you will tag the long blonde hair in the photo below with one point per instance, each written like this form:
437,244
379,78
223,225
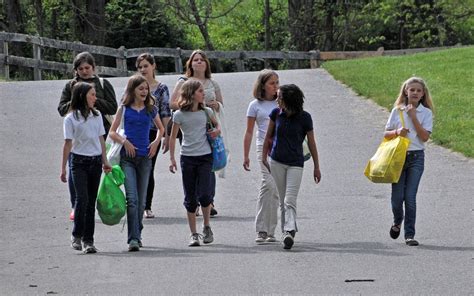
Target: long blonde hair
186,99
402,99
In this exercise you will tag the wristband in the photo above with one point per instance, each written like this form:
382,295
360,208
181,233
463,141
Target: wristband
124,139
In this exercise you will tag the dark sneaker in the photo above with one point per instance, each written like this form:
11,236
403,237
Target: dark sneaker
208,236
133,246
194,240
411,242
89,248
261,237
213,211
288,240
394,231
140,244
76,243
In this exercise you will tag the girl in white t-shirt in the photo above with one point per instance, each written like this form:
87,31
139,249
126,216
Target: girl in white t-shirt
265,94
83,138
415,102
196,156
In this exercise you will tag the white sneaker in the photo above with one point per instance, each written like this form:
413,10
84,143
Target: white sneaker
194,240
270,239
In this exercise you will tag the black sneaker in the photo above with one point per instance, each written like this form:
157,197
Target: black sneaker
288,240
76,243
213,211
394,231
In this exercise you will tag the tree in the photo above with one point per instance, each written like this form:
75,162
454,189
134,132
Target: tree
199,13
89,16
301,24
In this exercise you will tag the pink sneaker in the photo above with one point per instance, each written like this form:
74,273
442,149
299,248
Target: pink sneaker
71,216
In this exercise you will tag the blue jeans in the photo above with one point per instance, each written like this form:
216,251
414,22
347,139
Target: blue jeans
405,191
197,181
70,183
137,171
86,171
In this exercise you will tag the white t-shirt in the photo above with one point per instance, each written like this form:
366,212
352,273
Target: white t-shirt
194,129
260,110
424,116
84,133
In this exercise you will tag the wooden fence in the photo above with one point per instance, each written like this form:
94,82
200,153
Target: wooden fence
122,54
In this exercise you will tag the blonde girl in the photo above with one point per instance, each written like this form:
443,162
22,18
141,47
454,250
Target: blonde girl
265,94
196,156
417,108
137,151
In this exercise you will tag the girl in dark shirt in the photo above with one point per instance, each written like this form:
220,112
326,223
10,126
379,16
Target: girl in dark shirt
289,125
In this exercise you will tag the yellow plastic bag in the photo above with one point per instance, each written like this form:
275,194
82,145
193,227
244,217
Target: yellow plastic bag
387,163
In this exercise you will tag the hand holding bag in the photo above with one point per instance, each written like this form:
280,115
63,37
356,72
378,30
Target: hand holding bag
219,155
387,163
113,148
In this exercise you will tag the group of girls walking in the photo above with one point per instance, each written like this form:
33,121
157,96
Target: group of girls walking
282,126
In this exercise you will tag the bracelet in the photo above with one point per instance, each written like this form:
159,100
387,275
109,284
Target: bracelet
124,139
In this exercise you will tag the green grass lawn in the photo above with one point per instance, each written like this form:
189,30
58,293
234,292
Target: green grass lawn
450,79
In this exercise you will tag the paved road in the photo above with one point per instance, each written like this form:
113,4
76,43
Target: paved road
344,221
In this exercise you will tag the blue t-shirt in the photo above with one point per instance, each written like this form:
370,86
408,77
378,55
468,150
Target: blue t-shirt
137,126
289,135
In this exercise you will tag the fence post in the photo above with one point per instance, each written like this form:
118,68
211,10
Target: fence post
240,62
37,57
315,61
178,63
4,67
122,62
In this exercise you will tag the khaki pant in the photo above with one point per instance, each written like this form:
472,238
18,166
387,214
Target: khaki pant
267,203
288,181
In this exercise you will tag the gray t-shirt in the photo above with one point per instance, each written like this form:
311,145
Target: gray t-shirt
194,129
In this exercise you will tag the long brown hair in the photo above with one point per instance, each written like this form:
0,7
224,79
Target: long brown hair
129,96
186,99
189,67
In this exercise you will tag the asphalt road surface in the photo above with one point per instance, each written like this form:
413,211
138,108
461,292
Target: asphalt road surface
343,246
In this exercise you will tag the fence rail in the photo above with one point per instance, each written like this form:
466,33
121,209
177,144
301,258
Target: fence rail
37,63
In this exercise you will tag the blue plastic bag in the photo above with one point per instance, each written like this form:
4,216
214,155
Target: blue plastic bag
219,157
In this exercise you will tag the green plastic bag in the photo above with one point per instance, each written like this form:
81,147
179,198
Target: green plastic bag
111,203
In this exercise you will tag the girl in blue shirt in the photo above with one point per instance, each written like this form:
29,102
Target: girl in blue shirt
137,151
289,125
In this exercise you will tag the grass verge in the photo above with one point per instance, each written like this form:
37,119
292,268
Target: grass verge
448,74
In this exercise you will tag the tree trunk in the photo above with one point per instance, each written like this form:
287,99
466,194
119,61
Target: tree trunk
301,24
38,5
268,33
14,17
330,7
94,27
